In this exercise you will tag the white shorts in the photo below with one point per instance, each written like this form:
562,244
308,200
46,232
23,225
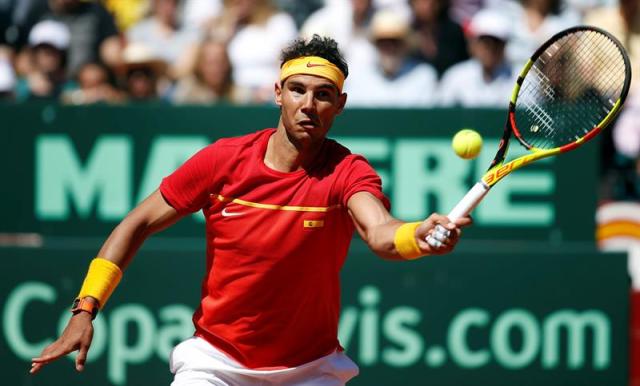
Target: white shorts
195,362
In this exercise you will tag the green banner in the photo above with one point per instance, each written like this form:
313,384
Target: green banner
525,317
76,171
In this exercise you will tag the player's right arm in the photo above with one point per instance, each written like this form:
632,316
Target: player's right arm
150,216
393,239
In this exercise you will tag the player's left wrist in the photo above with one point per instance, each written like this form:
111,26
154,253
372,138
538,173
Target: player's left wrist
85,305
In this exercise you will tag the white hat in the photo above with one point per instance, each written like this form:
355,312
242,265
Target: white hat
7,76
137,54
50,32
389,24
490,23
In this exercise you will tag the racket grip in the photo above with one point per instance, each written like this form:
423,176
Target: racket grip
469,201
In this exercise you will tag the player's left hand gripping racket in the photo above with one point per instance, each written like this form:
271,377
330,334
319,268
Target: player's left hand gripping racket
571,88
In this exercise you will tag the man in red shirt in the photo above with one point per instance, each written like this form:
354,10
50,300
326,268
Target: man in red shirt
281,206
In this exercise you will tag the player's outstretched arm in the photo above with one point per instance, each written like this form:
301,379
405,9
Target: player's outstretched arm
391,238
152,215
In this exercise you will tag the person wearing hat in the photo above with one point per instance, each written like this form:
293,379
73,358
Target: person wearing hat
281,206
49,44
394,78
142,73
485,80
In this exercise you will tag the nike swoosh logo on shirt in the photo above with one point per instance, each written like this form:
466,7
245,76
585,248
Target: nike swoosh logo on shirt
309,64
230,214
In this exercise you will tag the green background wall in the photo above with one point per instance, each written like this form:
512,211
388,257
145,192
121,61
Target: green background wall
74,172
524,300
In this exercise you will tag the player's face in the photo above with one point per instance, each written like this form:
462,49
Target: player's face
308,106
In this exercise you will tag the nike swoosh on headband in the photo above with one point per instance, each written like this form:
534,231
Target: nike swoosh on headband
309,64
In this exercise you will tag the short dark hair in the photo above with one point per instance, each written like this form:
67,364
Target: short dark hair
324,47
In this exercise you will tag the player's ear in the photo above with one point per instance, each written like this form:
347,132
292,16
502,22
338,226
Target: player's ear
278,93
342,101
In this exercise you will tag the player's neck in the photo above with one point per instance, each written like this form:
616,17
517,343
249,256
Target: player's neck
285,154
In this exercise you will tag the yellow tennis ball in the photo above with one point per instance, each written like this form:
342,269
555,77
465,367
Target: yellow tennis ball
467,143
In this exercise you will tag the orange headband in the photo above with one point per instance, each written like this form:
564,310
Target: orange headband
313,65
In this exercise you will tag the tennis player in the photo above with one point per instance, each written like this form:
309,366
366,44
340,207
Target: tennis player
281,206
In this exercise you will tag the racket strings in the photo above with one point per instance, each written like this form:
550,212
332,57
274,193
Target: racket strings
556,71
581,85
596,105
570,88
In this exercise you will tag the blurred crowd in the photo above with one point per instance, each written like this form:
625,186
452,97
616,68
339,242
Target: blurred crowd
401,53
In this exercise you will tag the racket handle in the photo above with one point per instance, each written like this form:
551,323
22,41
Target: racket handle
469,201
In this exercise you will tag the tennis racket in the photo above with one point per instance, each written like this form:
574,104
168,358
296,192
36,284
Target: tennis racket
572,87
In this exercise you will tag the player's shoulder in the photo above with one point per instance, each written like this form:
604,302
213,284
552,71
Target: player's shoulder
347,168
243,141
341,156
233,148
336,150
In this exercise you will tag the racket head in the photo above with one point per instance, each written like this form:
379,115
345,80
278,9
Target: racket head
571,88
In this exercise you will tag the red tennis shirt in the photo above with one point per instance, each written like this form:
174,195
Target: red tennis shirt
275,245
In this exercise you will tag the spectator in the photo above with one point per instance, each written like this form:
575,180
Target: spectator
49,43
439,40
162,34
93,87
211,81
395,79
487,79
256,33
7,79
143,73
533,23
94,36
